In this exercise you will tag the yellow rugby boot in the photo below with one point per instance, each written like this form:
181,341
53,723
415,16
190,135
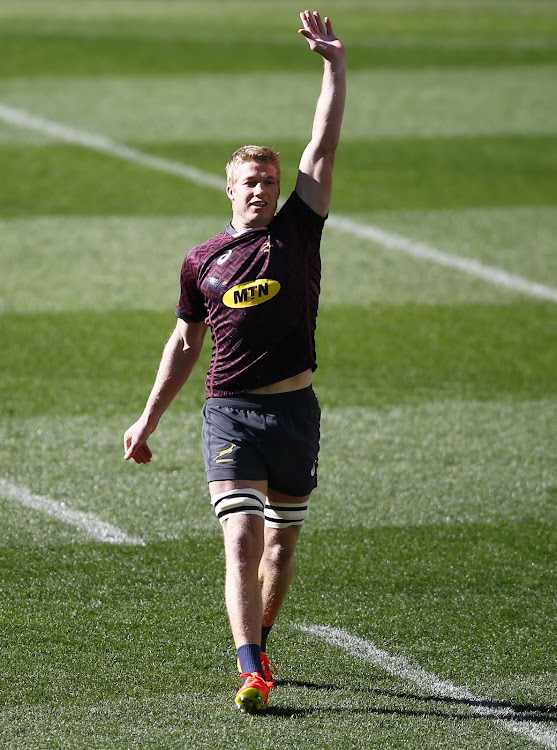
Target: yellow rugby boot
253,695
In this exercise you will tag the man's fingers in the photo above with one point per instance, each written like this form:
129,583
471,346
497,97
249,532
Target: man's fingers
312,21
315,30
318,22
141,454
129,453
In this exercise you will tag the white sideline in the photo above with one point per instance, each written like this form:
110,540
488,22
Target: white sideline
22,119
399,666
393,241
86,522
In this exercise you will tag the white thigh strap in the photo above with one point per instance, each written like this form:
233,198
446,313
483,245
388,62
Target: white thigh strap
280,515
244,500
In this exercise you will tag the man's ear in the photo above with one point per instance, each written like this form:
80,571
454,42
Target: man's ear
229,191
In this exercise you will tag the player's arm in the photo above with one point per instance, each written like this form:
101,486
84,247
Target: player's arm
178,358
315,175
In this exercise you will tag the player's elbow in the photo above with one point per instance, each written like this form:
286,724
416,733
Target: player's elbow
192,337
324,151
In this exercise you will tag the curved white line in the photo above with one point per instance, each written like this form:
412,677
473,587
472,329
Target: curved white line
86,522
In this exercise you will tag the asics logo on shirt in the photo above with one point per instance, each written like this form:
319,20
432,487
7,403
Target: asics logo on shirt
224,257
251,293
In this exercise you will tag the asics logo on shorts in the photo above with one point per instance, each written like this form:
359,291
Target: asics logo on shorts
220,457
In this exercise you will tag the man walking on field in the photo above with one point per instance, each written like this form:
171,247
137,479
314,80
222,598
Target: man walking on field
256,286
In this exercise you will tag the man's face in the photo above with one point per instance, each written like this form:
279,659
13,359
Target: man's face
254,195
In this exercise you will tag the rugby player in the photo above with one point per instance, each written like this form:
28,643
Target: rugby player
256,286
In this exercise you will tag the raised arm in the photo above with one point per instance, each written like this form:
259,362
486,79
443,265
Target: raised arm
315,175
179,356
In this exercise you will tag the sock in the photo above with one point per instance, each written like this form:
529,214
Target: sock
250,658
265,630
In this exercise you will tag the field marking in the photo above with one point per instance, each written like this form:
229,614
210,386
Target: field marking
86,522
397,242
22,119
399,666
389,240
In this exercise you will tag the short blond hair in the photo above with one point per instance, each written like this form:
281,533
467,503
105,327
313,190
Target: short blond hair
251,153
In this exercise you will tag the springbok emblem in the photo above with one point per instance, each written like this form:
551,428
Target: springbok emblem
225,452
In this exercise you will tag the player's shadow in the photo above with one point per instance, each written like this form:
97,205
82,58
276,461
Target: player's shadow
516,711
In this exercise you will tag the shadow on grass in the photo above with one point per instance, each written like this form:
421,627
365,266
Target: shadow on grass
493,709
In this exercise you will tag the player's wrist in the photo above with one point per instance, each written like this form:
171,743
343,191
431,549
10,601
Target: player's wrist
149,421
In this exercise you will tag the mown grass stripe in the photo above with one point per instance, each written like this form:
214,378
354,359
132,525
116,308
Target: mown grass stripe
389,240
21,118
397,242
94,527
400,666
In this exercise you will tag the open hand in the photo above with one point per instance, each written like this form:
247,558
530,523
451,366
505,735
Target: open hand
321,38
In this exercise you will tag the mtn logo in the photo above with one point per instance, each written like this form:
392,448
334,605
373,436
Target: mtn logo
251,293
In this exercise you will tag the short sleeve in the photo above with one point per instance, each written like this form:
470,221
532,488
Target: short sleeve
191,305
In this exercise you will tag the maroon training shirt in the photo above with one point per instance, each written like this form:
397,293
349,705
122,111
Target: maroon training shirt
259,293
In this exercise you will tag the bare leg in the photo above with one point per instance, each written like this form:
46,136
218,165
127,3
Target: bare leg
277,563
243,547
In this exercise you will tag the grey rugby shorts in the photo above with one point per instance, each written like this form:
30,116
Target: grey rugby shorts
269,437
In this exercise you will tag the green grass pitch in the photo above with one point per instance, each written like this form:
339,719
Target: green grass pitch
432,534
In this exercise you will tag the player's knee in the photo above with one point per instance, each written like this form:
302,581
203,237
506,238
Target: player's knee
283,515
279,551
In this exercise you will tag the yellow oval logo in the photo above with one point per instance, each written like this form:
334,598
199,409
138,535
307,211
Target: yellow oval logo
251,293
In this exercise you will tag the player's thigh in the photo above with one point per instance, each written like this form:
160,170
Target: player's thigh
239,505
224,485
284,516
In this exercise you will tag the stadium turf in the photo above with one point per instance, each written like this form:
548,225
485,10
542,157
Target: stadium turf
431,539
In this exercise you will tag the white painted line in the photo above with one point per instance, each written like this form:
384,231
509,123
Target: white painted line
399,243
401,667
22,119
86,522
